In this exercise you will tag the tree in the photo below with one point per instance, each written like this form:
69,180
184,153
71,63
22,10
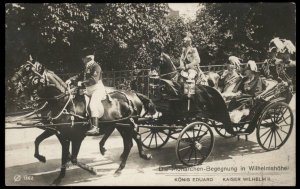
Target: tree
241,29
117,32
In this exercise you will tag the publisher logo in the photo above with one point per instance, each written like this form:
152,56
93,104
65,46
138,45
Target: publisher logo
17,178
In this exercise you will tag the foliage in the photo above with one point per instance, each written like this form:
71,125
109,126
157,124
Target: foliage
241,29
177,29
117,32
122,33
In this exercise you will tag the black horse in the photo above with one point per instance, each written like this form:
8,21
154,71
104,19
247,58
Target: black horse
62,107
172,85
169,71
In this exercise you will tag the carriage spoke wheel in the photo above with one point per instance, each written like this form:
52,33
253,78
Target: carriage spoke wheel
275,126
194,144
154,138
219,128
222,131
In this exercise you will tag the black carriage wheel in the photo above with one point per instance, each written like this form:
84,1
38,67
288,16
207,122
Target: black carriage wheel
223,133
220,130
194,144
154,138
274,126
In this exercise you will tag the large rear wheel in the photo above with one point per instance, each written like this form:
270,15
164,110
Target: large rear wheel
274,126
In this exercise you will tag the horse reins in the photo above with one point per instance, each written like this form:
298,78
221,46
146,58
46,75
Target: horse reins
70,98
168,73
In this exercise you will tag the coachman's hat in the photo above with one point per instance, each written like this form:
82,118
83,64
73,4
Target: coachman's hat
86,51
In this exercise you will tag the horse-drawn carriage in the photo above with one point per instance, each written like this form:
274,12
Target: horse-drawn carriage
188,110
270,115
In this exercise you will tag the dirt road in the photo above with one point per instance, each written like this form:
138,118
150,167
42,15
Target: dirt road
231,162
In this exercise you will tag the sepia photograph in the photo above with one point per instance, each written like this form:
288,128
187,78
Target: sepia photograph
150,94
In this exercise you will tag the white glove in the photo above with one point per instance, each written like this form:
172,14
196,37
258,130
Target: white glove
68,82
79,84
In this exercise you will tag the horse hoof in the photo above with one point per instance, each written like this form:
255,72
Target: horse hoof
56,182
117,173
121,157
146,156
40,158
149,156
69,156
102,150
74,161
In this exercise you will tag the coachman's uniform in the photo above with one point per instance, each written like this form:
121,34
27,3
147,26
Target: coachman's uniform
91,79
95,90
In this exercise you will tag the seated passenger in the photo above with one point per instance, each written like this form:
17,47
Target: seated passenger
230,77
250,86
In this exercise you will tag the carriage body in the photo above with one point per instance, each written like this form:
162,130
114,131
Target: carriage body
179,121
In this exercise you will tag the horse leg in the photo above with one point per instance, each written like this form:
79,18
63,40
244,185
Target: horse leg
64,160
123,133
38,140
108,131
127,139
137,138
76,144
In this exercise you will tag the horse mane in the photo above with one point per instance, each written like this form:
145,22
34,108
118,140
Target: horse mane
165,65
57,81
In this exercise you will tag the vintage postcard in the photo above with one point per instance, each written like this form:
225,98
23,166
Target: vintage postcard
150,94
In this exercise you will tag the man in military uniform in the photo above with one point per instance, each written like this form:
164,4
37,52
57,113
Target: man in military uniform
189,60
91,79
280,51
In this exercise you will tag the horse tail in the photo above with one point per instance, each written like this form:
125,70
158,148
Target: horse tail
143,98
148,104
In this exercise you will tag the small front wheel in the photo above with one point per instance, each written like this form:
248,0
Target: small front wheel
194,144
154,138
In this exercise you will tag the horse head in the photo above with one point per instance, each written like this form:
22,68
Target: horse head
166,67
33,78
20,81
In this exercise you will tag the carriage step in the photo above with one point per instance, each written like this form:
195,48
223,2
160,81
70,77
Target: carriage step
242,133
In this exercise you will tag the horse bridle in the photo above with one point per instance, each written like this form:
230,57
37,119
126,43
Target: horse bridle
173,78
44,79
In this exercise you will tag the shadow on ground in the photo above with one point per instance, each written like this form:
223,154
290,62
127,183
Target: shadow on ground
223,149
45,173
